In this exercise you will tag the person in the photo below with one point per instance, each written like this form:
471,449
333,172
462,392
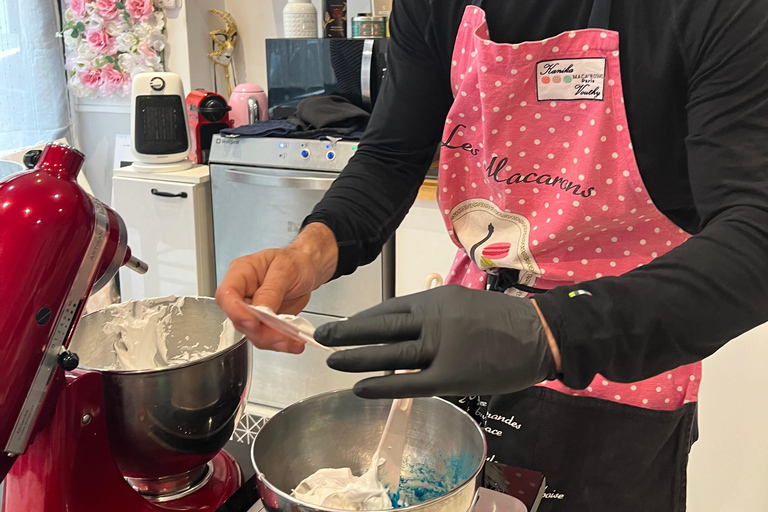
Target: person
603,173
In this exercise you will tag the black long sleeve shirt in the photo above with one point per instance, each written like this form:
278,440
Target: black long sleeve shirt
695,79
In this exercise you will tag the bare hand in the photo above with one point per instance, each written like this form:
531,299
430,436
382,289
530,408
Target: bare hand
282,280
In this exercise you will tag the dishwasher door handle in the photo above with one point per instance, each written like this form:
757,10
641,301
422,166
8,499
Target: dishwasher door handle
266,180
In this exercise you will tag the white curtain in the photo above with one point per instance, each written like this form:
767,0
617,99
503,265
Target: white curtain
33,94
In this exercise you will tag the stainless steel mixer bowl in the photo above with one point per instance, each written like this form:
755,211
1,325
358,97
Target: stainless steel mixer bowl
172,421
338,429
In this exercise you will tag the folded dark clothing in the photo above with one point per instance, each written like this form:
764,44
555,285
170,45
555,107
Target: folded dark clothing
317,117
277,128
287,130
318,112
321,133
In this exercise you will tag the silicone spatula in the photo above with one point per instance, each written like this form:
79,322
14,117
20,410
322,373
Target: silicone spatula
294,327
392,442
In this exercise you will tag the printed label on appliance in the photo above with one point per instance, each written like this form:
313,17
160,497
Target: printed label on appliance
570,79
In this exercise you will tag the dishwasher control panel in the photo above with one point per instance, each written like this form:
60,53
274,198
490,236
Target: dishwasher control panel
321,155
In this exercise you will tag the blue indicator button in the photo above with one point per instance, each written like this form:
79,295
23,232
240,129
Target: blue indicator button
330,155
304,153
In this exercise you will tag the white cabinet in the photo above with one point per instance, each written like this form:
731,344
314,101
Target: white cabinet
422,244
168,219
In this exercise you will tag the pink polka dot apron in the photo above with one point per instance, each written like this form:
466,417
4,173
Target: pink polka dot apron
539,188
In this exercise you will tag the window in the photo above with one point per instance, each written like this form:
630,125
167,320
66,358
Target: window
33,95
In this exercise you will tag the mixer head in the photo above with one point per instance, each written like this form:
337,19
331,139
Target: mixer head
57,245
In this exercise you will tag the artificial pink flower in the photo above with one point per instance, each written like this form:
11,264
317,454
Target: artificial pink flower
112,81
139,9
106,9
78,7
100,41
91,78
145,49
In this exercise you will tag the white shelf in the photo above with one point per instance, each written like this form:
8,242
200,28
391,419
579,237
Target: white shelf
104,105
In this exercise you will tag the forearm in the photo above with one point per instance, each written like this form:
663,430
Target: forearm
319,243
678,309
366,204
374,192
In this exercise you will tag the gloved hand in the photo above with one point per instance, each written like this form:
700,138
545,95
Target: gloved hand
465,342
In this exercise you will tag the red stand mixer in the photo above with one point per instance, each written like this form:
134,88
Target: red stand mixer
86,440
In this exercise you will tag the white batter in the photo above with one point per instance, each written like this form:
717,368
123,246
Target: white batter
139,333
340,489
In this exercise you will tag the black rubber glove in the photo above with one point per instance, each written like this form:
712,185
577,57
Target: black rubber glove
465,342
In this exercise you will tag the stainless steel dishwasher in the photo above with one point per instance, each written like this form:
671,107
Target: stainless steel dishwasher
262,188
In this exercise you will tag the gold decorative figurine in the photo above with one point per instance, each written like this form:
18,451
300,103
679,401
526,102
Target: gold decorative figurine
224,46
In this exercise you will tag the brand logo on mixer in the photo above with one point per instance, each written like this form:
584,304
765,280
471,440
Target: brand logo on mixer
227,140
570,79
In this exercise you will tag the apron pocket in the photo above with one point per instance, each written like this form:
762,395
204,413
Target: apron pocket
596,455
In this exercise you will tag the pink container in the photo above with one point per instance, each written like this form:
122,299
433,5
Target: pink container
249,104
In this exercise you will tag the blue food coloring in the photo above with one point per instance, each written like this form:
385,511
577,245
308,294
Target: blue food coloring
423,481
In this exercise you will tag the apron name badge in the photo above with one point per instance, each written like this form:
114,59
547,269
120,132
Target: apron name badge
570,79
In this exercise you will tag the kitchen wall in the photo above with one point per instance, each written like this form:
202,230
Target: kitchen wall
263,19
728,468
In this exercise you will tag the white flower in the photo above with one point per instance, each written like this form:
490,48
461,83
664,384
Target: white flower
100,61
153,62
157,41
95,22
140,60
69,15
159,20
116,28
79,64
126,62
142,30
141,69
84,51
69,41
127,42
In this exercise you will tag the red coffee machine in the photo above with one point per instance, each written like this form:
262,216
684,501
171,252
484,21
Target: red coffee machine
208,114
57,245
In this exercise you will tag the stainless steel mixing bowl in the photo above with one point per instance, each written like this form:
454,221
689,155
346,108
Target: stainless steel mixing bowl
444,450
164,425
